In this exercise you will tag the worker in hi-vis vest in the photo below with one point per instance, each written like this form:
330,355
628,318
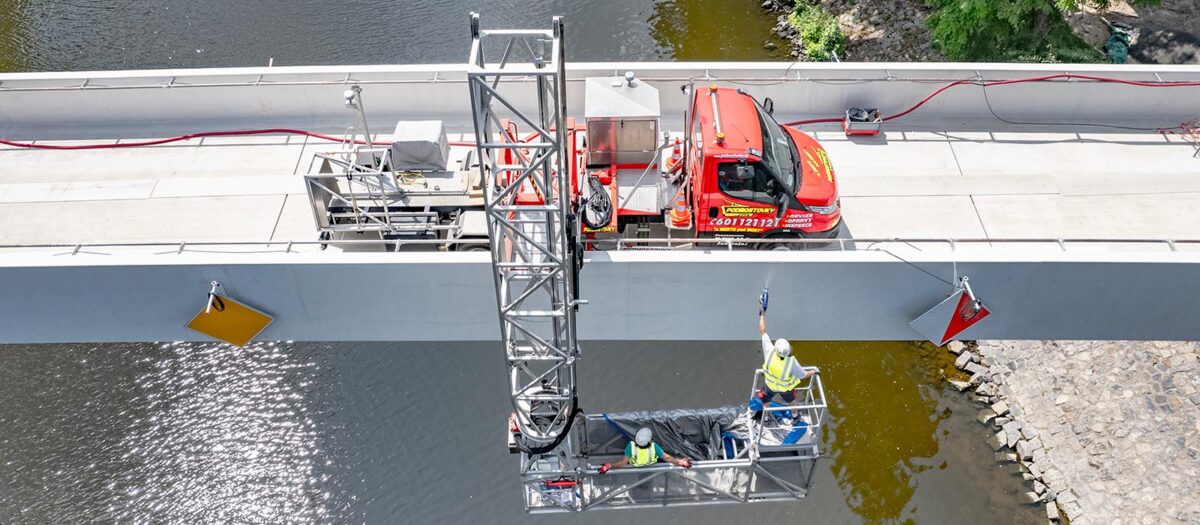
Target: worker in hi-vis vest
644,452
781,372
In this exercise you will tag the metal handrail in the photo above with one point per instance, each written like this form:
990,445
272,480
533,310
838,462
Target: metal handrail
730,243
331,242
812,402
734,242
458,76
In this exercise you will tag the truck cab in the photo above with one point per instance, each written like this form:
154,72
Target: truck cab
751,177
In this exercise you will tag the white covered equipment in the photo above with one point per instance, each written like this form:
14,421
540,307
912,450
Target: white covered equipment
420,145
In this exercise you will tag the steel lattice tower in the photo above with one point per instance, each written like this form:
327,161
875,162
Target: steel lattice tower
530,225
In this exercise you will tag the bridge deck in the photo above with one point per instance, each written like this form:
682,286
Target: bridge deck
917,184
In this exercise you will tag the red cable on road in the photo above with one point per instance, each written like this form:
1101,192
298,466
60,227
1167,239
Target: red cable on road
155,142
1043,78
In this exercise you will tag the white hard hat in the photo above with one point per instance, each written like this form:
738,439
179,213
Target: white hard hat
643,437
783,347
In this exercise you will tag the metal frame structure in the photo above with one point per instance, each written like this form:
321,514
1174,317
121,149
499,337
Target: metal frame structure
368,195
761,469
366,182
530,225
346,196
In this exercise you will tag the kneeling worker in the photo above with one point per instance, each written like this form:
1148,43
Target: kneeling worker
642,452
781,372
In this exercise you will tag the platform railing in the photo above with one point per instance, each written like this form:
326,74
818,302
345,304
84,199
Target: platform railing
747,469
810,407
706,483
782,475
357,198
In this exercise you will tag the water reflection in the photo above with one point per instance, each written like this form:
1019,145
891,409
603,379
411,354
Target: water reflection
885,421
224,435
410,432
45,35
13,35
724,30
183,433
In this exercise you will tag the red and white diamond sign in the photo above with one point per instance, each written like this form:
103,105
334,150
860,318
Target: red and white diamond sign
950,318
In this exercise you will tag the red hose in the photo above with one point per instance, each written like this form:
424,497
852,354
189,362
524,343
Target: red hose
155,142
1043,78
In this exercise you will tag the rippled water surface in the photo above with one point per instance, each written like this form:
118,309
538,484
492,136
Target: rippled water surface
61,35
389,433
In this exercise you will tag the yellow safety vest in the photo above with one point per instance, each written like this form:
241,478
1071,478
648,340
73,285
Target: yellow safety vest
778,373
643,457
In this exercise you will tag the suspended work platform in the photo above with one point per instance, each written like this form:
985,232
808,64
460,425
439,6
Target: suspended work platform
737,457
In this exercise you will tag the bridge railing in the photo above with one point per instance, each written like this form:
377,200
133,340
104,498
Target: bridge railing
621,244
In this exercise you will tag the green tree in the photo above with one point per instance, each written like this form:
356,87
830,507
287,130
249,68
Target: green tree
819,31
1011,29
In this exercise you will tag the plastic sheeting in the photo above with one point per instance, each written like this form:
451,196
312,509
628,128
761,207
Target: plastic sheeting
694,433
420,145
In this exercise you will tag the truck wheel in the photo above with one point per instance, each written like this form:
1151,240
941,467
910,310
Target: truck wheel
780,246
472,247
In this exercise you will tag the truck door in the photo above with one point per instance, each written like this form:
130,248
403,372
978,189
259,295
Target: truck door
745,202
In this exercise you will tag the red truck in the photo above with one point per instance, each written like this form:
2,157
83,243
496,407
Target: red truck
747,176
742,175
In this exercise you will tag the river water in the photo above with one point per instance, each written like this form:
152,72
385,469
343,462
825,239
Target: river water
81,35
413,433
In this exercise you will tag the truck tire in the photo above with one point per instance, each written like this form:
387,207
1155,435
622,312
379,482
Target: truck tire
472,247
766,244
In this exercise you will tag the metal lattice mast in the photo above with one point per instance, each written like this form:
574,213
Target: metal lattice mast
528,200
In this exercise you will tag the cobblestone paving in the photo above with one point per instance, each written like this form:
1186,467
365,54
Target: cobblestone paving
1109,430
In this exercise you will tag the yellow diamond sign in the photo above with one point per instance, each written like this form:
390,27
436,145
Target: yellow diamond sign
230,321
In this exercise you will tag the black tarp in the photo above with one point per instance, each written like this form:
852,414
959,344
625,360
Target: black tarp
694,433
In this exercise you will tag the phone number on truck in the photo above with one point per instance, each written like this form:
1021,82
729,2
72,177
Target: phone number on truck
750,222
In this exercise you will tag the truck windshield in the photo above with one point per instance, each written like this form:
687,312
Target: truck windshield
779,152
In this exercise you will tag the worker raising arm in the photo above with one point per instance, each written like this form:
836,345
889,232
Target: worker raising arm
644,452
781,372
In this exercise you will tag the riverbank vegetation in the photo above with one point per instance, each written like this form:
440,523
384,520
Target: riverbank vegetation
819,32
1012,30
969,30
